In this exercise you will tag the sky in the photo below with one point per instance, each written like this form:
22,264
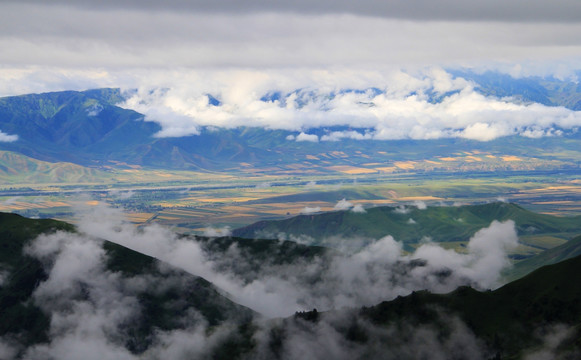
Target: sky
112,35
238,51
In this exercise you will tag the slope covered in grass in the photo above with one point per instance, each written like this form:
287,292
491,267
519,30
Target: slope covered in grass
411,224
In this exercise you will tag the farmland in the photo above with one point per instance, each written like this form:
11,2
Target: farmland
192,202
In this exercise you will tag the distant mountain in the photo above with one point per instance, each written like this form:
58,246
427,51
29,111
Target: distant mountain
89,129
410,224
546,91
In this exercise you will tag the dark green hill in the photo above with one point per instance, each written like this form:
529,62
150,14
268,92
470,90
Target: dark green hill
508,323
162,307
506,318
442,224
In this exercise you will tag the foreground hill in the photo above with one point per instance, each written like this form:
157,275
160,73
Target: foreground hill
507,318
160,297
62,293
411,224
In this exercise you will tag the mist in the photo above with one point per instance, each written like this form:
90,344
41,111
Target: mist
379,271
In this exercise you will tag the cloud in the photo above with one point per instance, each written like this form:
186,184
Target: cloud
340,135
358,208
264,185
552,338
310,210
401,109
343,205
454,10
213,232
401,209
311,184
350,279
307,137
122,195
7,138
420,205
281,35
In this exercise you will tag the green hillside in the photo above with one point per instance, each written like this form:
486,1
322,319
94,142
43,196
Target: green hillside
442,224
19,169
570,249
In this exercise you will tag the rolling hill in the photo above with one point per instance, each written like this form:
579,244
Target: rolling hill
19,169
411,224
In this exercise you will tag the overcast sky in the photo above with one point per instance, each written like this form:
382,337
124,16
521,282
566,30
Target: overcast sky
258,33
238,50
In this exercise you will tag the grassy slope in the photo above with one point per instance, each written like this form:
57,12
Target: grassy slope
570,249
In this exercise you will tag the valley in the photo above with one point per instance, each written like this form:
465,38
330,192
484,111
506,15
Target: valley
190,201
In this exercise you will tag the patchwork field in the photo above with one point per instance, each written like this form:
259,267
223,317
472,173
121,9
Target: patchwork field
191,202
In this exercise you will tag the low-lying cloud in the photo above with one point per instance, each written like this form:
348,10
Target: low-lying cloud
402,106
376,272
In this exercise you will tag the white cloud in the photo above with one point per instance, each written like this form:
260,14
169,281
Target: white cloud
307,137
401,209
310,210
346,280
402,110
311,184
91,306
358,208
178,101
343,205
420,205
7,138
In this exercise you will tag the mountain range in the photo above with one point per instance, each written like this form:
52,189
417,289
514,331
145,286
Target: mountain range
90,129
